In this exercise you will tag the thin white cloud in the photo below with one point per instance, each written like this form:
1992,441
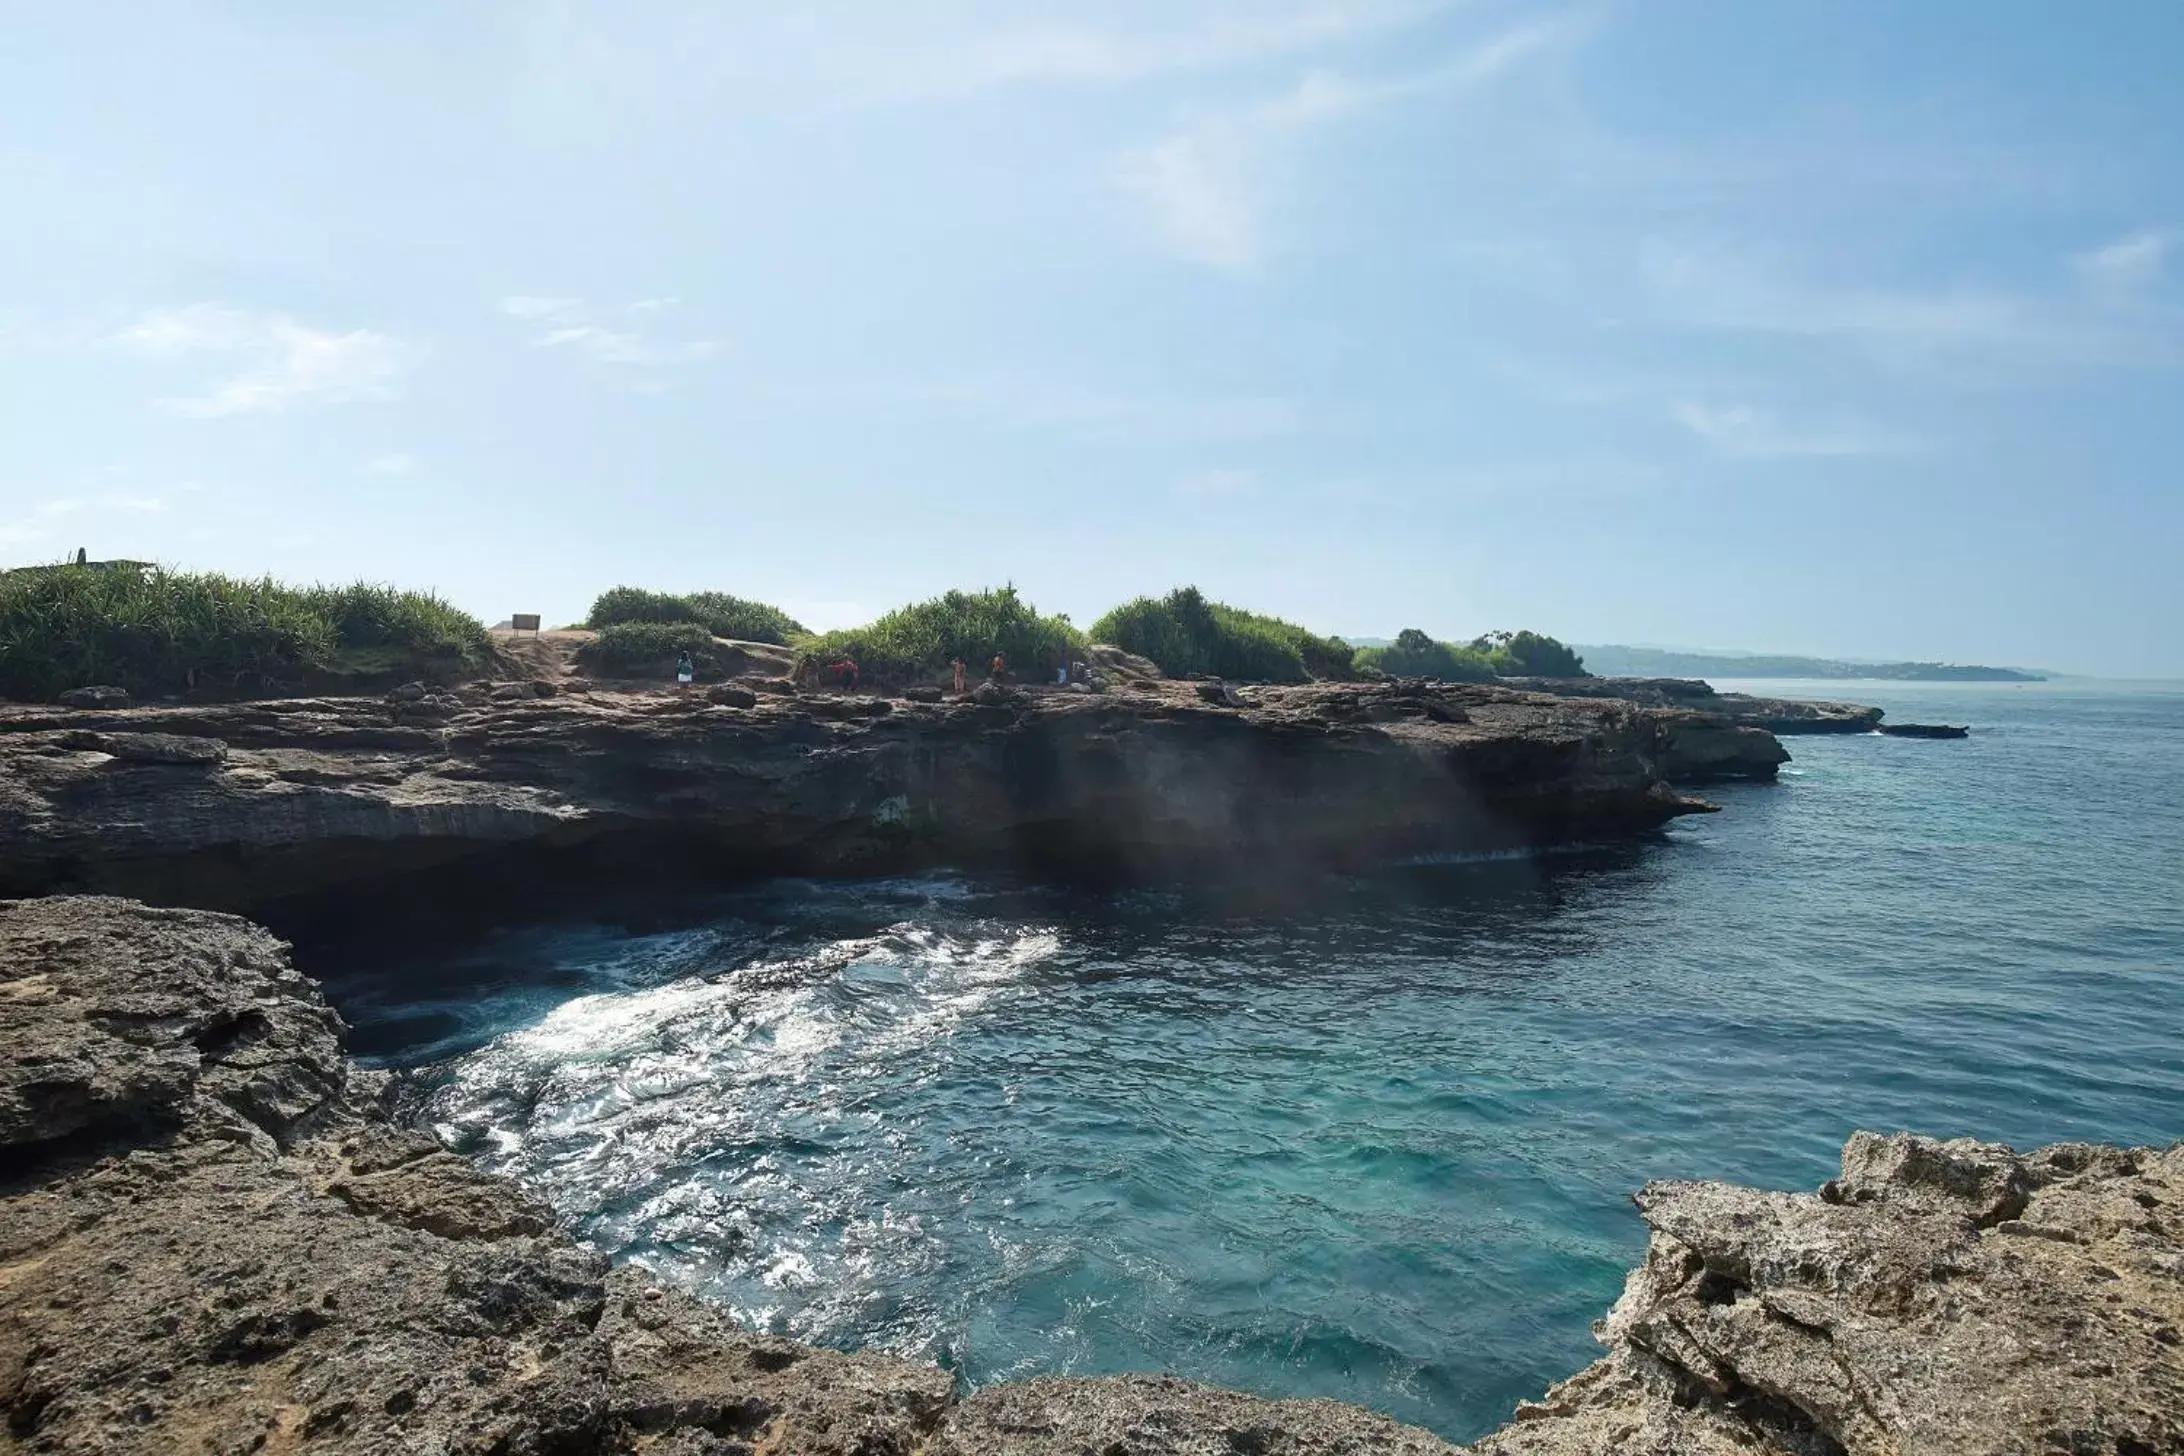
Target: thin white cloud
1217,42
1212,186
1976,332
283,362
1742,432
2131,263
1513,46
1218,484
1014,402
396,463
832,55
1200,204
615,346
569,324
527,306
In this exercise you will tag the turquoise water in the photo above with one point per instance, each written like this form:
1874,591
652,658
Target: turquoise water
1379,1146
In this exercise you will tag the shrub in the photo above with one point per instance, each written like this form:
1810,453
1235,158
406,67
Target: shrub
924,639
644,649
1414,654
1183,632
369,615
164,632
721,614
1529,654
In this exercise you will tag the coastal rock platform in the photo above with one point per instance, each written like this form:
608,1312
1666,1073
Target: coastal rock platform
213,1239
1782,716
236,805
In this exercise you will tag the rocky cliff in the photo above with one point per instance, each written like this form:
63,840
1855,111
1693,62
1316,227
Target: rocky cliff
213,1240
1774,715
237,805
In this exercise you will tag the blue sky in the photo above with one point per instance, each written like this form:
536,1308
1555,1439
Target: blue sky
1851,328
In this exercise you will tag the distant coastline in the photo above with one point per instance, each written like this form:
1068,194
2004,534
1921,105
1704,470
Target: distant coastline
1615,661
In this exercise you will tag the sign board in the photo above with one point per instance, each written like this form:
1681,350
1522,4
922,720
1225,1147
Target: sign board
524,621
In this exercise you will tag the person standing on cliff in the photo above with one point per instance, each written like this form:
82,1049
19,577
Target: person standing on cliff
960,667
686,669
1000,667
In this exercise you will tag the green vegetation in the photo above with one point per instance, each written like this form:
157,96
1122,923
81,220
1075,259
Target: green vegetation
163,632
1529,654
648,649
720,614
1182,632
923,640
1414,654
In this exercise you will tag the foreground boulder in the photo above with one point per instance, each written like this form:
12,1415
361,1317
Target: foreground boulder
1939,1297
212,1239
239,805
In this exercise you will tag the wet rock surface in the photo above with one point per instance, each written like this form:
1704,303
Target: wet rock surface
213,1240
240,804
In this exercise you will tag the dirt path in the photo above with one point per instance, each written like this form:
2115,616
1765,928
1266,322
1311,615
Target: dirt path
549,655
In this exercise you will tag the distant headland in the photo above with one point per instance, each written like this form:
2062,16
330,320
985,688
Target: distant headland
1615,661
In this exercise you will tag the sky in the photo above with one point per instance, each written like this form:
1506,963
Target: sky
1837,326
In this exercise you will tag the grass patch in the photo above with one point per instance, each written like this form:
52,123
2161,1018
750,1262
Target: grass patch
1414,654
162,633
923,640
1183,632
720,614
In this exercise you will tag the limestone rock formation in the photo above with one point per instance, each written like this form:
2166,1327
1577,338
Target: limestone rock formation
1158,1415
241,804
1775,715
1938,1297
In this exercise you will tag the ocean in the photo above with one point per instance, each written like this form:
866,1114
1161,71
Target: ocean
1378,1144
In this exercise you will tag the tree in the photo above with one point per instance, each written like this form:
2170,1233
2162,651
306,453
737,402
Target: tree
1417,654
1529,654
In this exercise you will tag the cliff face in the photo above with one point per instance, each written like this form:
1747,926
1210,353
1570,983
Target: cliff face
212,1239
242,803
